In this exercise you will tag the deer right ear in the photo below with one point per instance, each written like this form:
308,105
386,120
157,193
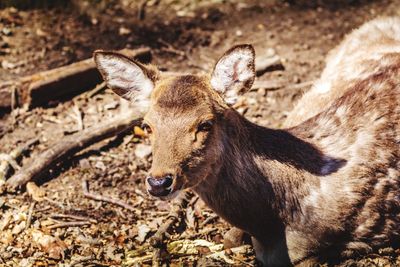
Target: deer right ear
127,78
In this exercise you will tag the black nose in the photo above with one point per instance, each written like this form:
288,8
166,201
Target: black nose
160,186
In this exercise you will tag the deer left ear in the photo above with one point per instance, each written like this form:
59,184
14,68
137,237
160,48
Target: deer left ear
127,78
234,72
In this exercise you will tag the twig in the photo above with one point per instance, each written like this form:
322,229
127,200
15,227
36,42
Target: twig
12,157
69,145
157,257
241,261
78,117
209,219
82,260
69,224
142,10
170,48
13,105
301,85
203,232
221,255
58,204
100,87
75,217
114,201
30,213
176,213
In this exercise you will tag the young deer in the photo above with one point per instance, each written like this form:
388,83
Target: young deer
326,189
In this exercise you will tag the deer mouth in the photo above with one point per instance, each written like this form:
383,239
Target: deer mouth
166,193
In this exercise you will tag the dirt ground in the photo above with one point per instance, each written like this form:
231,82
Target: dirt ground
185,36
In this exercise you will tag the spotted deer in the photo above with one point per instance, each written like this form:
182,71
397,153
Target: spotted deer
325,189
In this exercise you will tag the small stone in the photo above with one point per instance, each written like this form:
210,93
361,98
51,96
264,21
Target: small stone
124,31
35,191
84,164
233,238
261,92
18,228
6,31
142,151
100,165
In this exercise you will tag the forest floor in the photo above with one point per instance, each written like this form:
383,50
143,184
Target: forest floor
183,37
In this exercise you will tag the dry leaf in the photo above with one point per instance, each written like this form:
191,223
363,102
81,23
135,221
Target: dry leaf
35,191
223,256
51,245
139,131
191,247
6,237
143,230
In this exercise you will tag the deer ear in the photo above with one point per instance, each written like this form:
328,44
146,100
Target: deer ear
234,72
127,78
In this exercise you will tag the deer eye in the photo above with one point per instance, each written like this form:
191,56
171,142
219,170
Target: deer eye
205,126
146,128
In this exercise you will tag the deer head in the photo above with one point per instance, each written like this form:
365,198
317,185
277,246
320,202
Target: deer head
184,114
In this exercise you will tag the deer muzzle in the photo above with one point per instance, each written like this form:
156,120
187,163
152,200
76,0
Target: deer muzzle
159,186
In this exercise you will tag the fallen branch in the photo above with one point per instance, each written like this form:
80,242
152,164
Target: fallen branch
69,224
114,201
157,241
68,146
209,220
75,217
58,83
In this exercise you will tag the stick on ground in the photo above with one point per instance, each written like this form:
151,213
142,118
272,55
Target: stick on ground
69,224
97,197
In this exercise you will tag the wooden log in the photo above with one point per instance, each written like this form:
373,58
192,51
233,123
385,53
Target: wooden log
59,83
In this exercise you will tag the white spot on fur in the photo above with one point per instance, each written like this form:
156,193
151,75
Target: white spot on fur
325,189
313,197
348,189
322,87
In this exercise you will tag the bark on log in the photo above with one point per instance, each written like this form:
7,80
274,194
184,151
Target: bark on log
56,84
68,146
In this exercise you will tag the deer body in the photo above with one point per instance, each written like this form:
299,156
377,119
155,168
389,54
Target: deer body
326,189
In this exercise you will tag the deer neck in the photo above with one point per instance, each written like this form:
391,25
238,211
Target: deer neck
262,176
